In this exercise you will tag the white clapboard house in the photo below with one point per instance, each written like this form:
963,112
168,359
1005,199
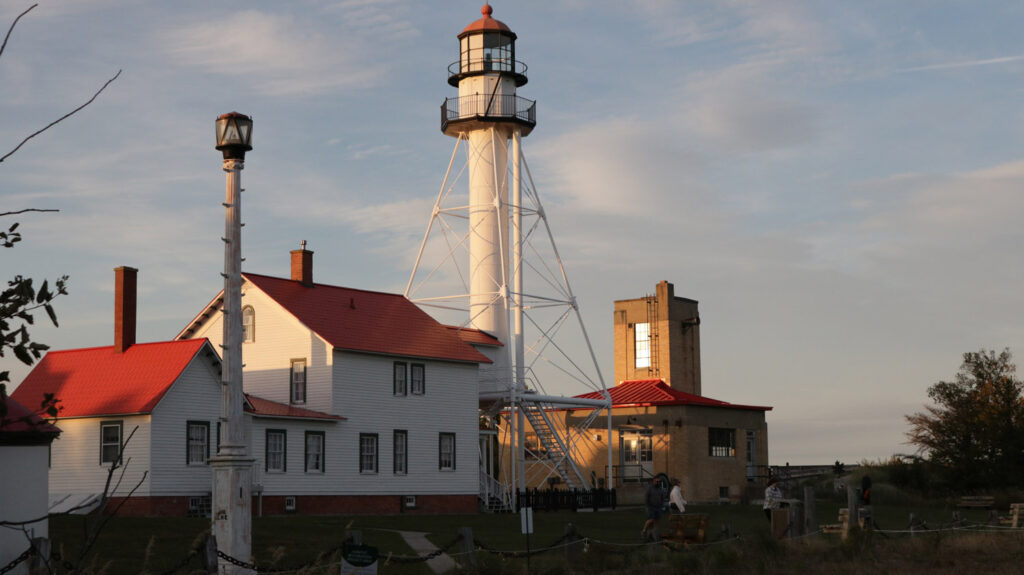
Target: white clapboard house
405,384
160,401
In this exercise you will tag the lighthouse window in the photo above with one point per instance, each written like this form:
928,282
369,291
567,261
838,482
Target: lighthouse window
487,52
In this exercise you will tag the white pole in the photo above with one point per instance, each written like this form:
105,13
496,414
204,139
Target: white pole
232,468
517,278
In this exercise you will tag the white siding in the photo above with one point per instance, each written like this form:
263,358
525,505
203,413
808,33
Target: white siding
23,496
195,396
364,392
295,480
75,460
279,339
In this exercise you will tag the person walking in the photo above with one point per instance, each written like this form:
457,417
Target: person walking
772,497
675,497
652,501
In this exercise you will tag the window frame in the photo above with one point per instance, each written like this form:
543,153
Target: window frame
323,452
188,441
641,346
400,457
422,379
403,381
248,335
293,398
284,451
721,449
441,437
119,424
376,453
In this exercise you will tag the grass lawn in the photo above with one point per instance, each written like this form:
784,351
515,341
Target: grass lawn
155,545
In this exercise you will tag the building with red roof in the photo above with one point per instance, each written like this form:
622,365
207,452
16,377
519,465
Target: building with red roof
151,410
25,439
661,422
406,385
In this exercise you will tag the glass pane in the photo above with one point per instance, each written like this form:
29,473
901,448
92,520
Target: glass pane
231,135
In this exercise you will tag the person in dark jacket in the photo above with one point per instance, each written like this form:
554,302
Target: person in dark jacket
653,502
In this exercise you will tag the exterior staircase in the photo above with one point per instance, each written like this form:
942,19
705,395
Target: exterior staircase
554,445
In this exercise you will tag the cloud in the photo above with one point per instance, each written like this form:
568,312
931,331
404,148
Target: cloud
965,64
275,54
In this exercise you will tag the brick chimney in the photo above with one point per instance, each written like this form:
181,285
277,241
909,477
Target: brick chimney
302,265
125,279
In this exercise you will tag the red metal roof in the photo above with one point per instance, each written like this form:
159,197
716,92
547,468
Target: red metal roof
486,23
470,335
653,392
367,321
266,408
23,421
98,381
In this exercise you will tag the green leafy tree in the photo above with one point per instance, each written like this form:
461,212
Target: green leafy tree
974,431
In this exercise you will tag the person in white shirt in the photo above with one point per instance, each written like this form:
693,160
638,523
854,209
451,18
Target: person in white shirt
675,497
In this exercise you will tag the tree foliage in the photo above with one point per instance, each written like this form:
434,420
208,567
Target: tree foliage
974,431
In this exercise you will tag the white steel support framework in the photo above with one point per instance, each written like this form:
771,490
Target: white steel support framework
511,389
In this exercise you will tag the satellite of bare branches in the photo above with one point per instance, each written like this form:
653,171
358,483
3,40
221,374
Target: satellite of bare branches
2,214
60,119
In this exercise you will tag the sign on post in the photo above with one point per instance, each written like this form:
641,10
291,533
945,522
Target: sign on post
358,559
526,519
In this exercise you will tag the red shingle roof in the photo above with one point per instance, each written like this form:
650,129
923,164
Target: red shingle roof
97,381
470,335
652,392
23,421
266,408
367,321
485,23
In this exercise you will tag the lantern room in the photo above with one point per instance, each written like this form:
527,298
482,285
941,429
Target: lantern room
487,45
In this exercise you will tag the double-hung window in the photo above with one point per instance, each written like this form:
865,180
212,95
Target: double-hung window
446,452
417,379
110,441
367,453
401,448
248,324
401,378
298,381
314,452
276,459
197,447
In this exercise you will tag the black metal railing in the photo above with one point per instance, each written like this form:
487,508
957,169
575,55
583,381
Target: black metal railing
570,499
631,473
474,65
490,107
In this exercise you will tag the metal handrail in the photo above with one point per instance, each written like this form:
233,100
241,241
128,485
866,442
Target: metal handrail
482,65
484,106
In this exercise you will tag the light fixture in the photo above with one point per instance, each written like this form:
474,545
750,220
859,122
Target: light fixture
234,135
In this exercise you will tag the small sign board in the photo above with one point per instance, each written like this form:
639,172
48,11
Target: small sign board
358,559
526,519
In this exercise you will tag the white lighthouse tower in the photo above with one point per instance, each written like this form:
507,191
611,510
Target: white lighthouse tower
502,226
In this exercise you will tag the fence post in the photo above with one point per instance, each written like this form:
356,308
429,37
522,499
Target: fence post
467,546
796,519
355,536
572,548
37,562
851,505
810,513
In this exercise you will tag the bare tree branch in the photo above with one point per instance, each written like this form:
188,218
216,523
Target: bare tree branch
13,24
60,119
28,210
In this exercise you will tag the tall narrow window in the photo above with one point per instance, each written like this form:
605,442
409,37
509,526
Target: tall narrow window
110,441
446,452
276,456
401,378
401,446
298,377
417,379
248,324
197,448
367,453
642,348
314,452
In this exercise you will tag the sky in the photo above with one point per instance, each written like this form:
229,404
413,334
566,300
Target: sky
839,184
